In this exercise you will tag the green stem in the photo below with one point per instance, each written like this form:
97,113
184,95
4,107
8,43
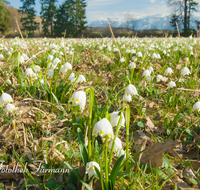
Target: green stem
106,163
127,130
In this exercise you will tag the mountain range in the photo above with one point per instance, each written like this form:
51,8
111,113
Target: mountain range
159,22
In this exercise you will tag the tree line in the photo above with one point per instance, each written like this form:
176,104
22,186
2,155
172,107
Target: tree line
69,19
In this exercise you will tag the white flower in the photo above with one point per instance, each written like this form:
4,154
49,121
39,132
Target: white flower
81,78
64,68
130,89
171,84
115,116
181,80
132,65
103,128
33,56
139,54
122,59
36,68
21,59
29,72
159,78
148,79
42,81
117,147
134,58
186,59
150,69
50,73
1,56
72,77
5,98
154,55
50,57
127,97
79,99
8,81
9,108
90,168
185,71
196,106
168,71
146,73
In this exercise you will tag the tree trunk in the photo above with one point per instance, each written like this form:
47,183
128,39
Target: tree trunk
185,15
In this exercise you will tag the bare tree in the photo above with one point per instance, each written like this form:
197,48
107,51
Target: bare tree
129,21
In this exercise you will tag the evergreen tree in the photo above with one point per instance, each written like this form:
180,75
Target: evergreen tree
4,19
65,19
175,19
71,18
79,17
28,21
48,11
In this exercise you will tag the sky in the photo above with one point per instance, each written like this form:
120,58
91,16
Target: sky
102,9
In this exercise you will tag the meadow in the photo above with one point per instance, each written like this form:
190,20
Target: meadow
110,113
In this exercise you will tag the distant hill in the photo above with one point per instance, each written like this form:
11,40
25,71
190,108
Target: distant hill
159,22
15,14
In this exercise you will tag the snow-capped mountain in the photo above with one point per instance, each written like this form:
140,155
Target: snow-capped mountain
160,22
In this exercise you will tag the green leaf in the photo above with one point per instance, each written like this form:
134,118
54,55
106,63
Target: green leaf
115,170
58,103
127,116
141,124
82,147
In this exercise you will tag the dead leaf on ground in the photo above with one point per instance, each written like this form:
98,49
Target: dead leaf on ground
154,153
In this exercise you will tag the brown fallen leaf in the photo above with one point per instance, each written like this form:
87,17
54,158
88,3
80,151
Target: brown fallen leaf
181,184
188,174
149,124
154,153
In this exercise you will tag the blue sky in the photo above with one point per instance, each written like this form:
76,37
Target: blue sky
101,9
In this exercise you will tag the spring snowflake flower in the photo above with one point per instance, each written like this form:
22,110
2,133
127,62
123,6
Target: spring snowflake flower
186,59
154,55
50,73
1,56
79,99
185,71
9,108
81,78
122,59
159,78
29,72
72,77
146,73
115,116
196,106
33,56
5,99
139,54
117,147
42,81
150,69
127,97
64,68
168,71
36,68
132,65
21,59
130,89
103,128
90,168
50,57
8,81
171,84
148,79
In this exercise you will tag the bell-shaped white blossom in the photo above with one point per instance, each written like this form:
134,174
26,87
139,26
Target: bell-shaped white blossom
103,128
122,60
29,72
150,69
21,59
132,65
117,147
50,57
50,73
72,77
79,99
9,108
130,89
168,71
36,68
159,78
139,54
8,81
1,56
127,97
81,78
5,99
64,68
185,71
171,84
90,168
146,73
196,106
115,116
